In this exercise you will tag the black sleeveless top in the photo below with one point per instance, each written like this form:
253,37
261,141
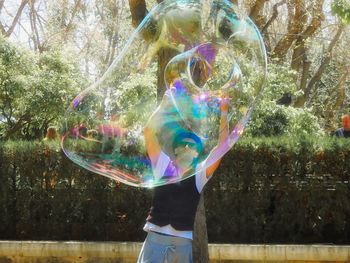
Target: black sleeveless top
175,204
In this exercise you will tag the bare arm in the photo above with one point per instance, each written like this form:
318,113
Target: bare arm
223,136
152,144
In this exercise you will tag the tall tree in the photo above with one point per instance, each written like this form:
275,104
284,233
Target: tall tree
33,89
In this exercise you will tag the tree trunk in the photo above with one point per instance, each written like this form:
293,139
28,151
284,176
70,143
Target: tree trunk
200,235
113,35
314,25
305,72
138,12
255,13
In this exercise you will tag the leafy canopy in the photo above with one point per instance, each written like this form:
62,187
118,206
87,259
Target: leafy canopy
35,90
342,9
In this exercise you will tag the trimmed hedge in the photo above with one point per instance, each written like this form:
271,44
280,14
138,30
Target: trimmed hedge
268,190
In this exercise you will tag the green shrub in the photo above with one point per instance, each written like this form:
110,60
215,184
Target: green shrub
267,190
272,119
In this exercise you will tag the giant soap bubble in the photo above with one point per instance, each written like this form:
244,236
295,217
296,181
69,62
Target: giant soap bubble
119,128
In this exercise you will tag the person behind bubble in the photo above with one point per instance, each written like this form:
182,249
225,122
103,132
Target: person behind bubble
344,131
51,134
171,218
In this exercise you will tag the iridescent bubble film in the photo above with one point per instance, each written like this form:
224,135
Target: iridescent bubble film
119,128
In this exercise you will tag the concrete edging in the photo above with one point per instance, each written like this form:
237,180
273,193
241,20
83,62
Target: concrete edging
130,250
279,252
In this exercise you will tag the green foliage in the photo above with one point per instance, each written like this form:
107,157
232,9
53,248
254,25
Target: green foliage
271,119
325,98
138,91
302,122
268,120
267,190
342,9
280,80
35,90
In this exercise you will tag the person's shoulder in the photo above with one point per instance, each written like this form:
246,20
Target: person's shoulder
338,132
346,134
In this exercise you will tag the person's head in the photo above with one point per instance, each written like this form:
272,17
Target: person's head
187,147
83,130
346,121
92,133
51,133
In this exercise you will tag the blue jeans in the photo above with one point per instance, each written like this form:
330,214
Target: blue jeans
159,248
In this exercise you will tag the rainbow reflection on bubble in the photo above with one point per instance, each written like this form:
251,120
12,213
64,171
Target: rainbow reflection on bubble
219,60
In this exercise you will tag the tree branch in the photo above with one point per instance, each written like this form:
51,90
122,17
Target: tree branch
16,18
314,25
297,18
305,72
35,32
113,37
1,4
341,89
318,74
75,10
18,125
273,16
138,13
2,29
269,22
325,60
